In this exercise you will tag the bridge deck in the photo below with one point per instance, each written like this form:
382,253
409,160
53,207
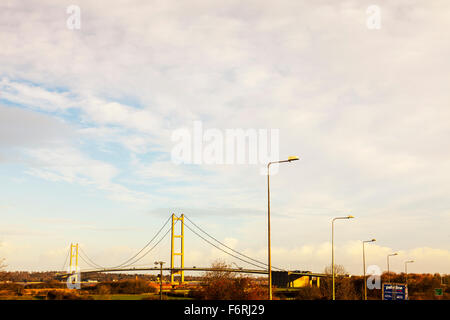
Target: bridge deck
239,270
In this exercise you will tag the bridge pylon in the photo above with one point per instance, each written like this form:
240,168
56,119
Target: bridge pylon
173,253
73,266
73,281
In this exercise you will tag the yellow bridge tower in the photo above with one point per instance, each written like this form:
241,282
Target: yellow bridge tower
172,251
73,281
73,267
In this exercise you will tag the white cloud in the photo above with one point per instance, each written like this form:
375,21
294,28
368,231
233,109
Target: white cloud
34,96
24,128
69,165
316,257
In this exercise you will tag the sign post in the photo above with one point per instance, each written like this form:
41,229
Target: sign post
438,292
395,291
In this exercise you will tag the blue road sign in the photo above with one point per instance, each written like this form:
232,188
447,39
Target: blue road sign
394,291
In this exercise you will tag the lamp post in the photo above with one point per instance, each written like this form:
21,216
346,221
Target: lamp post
390,255
406,270
332,249
160,278
364,267
293,158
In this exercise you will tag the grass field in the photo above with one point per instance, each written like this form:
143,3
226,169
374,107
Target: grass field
153,296
123,296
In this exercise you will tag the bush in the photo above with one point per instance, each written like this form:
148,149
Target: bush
103,289
63,295
239,288
51,284
346,288
224,285
125,287
309,293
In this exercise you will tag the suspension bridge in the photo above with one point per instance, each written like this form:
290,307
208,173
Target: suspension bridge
177,268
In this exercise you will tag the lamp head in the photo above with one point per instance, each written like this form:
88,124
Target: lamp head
293,158
350,217
373,240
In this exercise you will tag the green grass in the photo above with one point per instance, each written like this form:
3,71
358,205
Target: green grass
178,298
19,298
155,296
177,295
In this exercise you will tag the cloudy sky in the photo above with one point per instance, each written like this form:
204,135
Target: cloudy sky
87,116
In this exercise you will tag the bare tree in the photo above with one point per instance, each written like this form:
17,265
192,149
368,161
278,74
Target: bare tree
2,264
219,271
345,286
222,284
339,270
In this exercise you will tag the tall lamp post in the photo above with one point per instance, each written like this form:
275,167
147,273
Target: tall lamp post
332,249
390,255
160,277
293,158
364,267
406,270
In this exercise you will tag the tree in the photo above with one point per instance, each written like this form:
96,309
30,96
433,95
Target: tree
345,286
220,273
309,293
339,270
221,284
2,266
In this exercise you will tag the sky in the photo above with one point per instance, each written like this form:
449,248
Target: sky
87,118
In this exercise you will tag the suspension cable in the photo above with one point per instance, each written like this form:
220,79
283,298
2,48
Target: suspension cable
87,257
83,255
127,263
65,261
148,251
88,263
148,243
257,261
237,257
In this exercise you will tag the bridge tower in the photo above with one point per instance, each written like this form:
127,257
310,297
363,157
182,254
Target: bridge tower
73,267
73,281
172,251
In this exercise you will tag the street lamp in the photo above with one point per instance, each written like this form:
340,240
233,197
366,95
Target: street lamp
293,158
364,267
160,278
406,270
390,255
332,248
